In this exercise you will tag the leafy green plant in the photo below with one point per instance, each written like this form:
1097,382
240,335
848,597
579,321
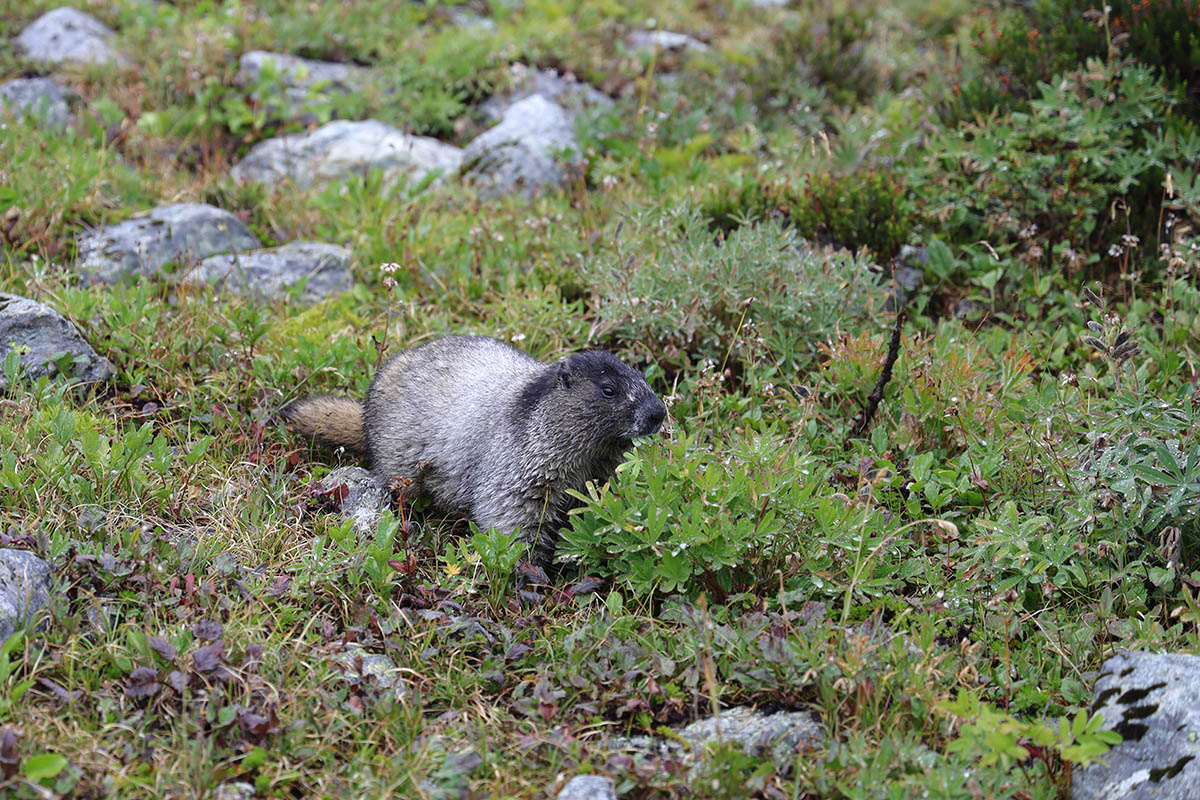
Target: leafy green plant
754,297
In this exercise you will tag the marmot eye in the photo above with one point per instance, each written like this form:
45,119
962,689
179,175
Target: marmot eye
608,391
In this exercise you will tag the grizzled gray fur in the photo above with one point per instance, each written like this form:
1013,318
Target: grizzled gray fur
490,431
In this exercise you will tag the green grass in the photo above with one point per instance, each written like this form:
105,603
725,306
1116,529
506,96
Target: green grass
939,592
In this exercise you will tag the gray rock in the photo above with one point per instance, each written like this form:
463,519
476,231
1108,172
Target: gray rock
644,41
522,153
301,73
565,90
271,272
588,787
365,499
779,736
358,666
238,790
66,34
40,99
303,80
467,19
42,336
341,149
185,234
1153,701
24,589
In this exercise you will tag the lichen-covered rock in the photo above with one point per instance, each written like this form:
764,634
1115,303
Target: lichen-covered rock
45,340
1153,701
359,496
24,589
778,736
524,153
184,234
324,267
588,787
571,94
341,149
66,34
40,99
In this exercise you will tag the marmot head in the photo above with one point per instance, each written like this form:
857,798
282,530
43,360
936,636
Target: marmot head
598,393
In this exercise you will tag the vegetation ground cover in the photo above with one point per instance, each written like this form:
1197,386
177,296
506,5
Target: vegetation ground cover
1025,503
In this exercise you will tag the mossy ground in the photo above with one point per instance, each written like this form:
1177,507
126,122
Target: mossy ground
1024,504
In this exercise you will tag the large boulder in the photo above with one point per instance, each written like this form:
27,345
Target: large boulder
272,272
340,149
1153,701
527,152
40,99
45,340
183,234
66,34
573,95
24,589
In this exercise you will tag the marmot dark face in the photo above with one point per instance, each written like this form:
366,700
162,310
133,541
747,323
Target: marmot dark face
614,392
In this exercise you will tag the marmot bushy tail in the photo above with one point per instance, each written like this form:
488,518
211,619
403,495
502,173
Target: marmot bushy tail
490,431
331,422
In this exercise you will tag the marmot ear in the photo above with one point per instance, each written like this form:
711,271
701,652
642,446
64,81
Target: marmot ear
562,373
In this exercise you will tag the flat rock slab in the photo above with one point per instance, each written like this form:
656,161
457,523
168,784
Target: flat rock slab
340,149
40,99
1153,701
66,34
524,153
565,90
24,589
588,787
183,234
45,338
778,736
272,272
646,41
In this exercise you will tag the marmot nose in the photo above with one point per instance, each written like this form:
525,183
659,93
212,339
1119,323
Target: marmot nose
654,419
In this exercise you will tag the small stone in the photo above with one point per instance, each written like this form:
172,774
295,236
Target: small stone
588,787
40,99
365,499
523,153
572,95
779,736
24,589
357,665
66,34
272,272
664,40
342,148
1153,701
238,790
45,340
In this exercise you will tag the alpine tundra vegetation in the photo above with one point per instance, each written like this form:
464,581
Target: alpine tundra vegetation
919,283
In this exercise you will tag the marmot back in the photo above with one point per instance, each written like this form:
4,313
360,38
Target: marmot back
490,431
